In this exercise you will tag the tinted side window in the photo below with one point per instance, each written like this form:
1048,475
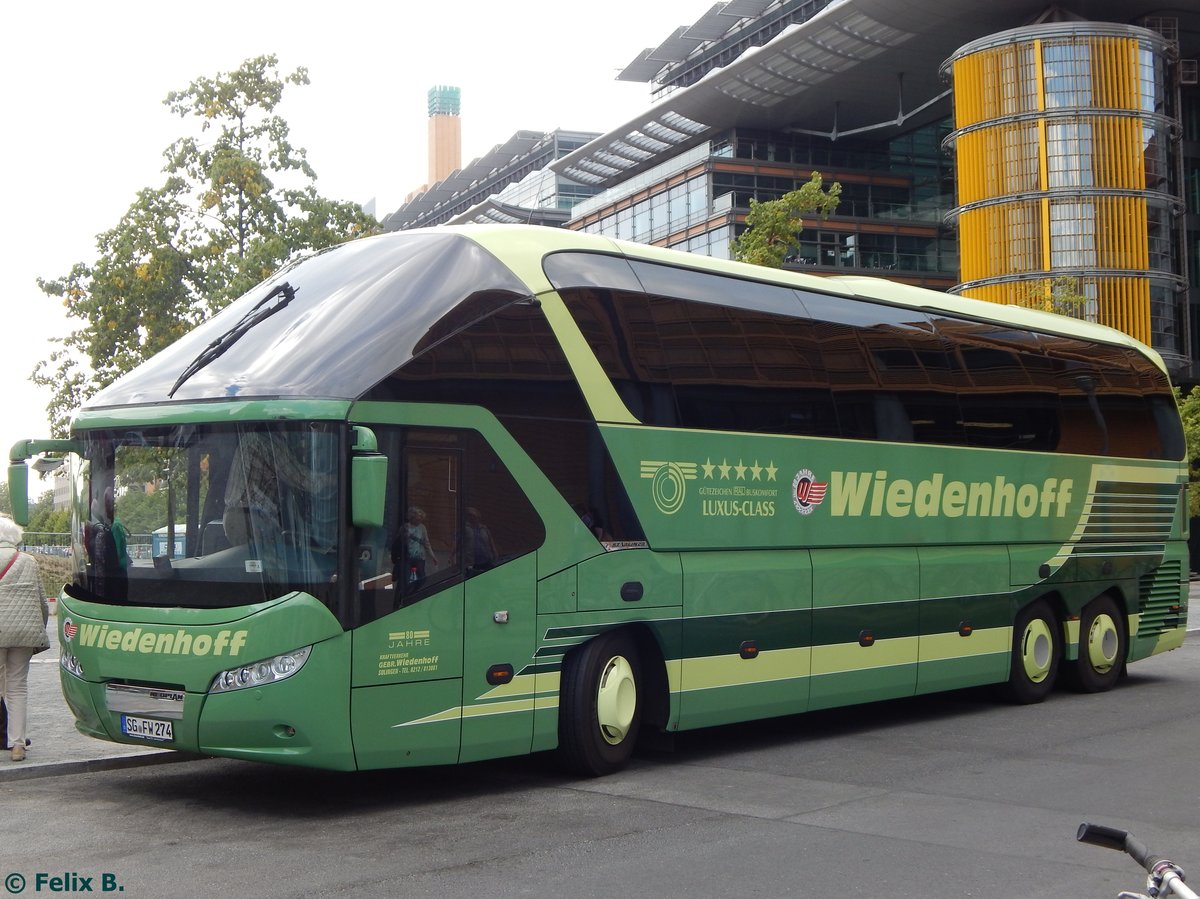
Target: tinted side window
702,365
891,374
695,349
1120,399
456,513
744,370
715,290
1156,388
1005,386
510,363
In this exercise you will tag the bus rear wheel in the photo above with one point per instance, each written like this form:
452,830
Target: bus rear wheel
600,705
1036,650
1103,643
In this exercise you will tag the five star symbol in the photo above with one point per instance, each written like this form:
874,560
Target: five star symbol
756,470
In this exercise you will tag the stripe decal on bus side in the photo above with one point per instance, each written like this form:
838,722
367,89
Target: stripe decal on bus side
524,693
1169,640
772,666
717,672
843,657
519,695
983,641
1119,515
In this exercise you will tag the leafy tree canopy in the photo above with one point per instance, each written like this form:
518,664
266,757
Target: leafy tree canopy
239,200
1064,294
773,226
1189,411
44,519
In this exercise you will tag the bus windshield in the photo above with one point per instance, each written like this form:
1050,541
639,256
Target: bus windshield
206,515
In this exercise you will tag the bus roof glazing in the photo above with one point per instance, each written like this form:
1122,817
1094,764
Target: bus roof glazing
336,324
330,326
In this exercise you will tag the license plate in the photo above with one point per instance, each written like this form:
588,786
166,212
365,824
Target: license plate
147,728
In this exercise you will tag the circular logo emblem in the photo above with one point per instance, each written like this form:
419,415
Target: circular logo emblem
669,488
70,629
807,491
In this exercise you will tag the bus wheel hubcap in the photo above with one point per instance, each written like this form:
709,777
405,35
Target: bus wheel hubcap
616,700
1103,641
1037,650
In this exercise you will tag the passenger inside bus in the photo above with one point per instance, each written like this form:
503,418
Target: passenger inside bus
411,550
477,548
105,542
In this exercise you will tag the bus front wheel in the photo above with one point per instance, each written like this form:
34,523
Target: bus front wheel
1037,648
1102,646
600,705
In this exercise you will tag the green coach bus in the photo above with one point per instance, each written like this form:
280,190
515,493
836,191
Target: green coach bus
464,493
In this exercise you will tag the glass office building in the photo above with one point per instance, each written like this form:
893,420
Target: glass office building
511,182
1018,152
895,195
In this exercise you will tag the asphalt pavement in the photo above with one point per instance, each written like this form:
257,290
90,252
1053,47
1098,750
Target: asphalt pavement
58,748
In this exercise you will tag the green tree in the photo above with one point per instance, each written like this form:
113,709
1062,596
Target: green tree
142,512
1063,294
239,201
773,226
44,519
1189,411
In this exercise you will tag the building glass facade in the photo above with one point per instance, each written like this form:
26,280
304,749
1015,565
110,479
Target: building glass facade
518,167
1056,164
895,196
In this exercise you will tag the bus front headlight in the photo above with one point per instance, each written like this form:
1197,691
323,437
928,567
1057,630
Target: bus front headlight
70,664
257,674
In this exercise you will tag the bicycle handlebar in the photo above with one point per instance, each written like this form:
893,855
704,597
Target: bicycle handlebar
1121,840
1162,871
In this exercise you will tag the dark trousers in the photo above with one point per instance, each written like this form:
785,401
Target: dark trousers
3,725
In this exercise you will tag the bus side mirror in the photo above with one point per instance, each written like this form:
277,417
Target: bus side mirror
18,474
18,492
368,481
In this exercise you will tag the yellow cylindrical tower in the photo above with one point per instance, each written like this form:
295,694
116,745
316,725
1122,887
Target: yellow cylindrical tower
1064,155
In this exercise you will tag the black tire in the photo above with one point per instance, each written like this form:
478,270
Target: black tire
1103,646
1036,652
600,705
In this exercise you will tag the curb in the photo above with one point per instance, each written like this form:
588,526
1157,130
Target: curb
17,771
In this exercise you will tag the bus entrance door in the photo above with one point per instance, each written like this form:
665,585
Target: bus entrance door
408,661
447,601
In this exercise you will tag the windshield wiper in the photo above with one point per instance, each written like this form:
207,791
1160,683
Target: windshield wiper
285,292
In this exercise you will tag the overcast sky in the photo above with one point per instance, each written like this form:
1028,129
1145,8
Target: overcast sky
83,85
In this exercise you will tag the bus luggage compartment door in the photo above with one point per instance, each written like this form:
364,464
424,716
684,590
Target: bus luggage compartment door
865,625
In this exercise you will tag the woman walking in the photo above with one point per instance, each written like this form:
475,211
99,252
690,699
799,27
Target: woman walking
23,615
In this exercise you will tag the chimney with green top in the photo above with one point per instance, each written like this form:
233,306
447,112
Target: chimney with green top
445,133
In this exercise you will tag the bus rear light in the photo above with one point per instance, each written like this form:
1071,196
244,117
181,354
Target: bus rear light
257,674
